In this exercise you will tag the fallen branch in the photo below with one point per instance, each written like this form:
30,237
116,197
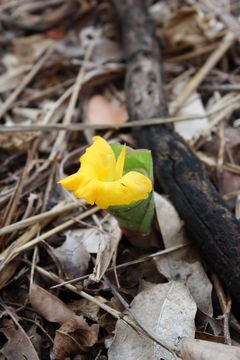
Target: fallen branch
209,222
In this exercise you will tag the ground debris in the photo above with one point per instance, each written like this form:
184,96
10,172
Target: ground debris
71,283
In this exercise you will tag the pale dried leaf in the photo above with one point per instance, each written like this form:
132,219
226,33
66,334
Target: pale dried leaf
160,12
183,265
192,274
192,349
192,129
101,111
127,344
170,224
168,311
96,241
85,237
108,244
73,257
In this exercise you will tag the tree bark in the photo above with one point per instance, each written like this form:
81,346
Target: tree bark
177,171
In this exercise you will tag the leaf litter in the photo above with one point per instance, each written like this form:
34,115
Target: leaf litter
93,270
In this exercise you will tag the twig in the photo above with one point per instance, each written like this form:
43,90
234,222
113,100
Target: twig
39,326
58,145
220,87
129,263
5,106
205,69
130,124
225,306
192,54
212,161
45,92
62,208
226,317
10,255
34,260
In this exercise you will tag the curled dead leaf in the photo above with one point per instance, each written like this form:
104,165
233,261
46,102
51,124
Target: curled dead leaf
18,346
49,306
73,257
74,336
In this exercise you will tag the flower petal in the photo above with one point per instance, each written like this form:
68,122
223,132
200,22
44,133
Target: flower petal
99,159
71,182
131,187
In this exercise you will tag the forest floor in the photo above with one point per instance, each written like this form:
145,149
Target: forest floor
67,273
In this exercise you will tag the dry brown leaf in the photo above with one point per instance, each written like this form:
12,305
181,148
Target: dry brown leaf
8,272
87,308
19,346
74,336
28,49
189,26
230,182
101,111
49,306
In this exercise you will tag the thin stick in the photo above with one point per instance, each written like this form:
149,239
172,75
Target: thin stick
226,317
220,292
129,263
225,306
18,250
72,103
131,124
10,100
221,87
45,92
204,70
40,217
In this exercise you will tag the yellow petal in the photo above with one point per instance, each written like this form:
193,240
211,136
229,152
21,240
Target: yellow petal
99,160
71,182
120,164
131,187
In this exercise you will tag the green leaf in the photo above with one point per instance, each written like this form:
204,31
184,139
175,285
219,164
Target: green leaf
138,216
135,160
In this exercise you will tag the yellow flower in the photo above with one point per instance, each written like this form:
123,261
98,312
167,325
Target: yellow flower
100,178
